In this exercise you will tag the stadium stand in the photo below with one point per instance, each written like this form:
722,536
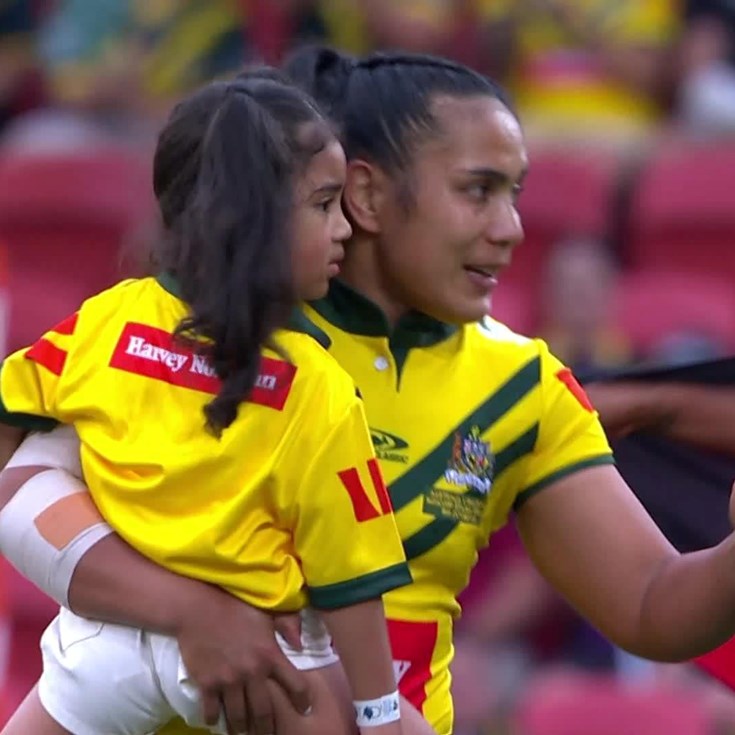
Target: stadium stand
655,303
582,704
682,214
65,220
567,193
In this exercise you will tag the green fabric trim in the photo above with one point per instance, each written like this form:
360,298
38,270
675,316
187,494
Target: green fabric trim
516,450
167,281
26,421
529,492
428,537
299,322
430,468
352,312
360,589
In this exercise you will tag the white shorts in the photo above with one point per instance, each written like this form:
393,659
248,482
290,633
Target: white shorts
103,678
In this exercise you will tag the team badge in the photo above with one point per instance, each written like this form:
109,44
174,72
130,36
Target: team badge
472,462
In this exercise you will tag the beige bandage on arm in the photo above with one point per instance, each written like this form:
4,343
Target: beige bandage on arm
51,521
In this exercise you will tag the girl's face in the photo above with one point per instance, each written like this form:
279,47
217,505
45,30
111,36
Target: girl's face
320,227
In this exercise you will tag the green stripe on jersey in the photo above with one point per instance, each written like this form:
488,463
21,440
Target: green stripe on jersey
435,532
367,587
430,468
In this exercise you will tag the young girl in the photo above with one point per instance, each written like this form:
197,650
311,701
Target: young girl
217,438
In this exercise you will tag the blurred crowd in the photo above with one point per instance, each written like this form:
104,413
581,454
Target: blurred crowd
616,72
629,109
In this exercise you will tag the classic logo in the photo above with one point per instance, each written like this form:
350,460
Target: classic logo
155,353
389,447
472,462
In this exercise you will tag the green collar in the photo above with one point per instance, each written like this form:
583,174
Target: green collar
167,281
352,312
298,322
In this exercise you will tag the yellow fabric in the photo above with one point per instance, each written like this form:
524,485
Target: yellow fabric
262,511
558,86
533,428
346,27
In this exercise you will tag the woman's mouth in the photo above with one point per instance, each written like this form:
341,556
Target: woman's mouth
484,278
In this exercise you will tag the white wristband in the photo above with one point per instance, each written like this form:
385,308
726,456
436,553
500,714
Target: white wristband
375,712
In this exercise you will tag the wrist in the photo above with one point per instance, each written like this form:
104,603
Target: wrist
658,406
190,601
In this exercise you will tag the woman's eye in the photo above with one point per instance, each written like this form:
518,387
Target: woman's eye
478,191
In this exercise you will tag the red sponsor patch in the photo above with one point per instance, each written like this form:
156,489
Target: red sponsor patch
567,377
154,353
412,644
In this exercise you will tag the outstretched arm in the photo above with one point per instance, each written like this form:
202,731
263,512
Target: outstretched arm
699,415
594,542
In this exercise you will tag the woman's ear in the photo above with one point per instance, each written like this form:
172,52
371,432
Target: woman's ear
367,189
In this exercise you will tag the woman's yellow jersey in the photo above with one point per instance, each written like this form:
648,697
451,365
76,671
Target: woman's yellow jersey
468,423
287,508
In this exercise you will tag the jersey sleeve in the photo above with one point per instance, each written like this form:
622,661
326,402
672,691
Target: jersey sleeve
30,379
570,436
345,533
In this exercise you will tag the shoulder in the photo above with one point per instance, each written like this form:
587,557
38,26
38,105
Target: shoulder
494,331
490,337
320,383
112,301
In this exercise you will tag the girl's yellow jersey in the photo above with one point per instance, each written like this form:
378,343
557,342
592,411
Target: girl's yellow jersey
287,508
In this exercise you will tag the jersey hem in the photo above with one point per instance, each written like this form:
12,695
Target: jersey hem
360,589
529,492
27,421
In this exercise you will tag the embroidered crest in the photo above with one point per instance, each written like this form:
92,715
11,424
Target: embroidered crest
472,462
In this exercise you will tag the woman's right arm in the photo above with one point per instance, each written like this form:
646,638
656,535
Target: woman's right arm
228,647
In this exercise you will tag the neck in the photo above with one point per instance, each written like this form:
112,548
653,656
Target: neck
361,270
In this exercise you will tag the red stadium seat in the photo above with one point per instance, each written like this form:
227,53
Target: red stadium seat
683,213
584,704
652,304
567,193
64,219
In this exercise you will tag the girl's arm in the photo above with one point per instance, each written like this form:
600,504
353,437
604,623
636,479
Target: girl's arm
360,636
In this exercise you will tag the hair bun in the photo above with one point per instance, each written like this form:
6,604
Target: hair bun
323,72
